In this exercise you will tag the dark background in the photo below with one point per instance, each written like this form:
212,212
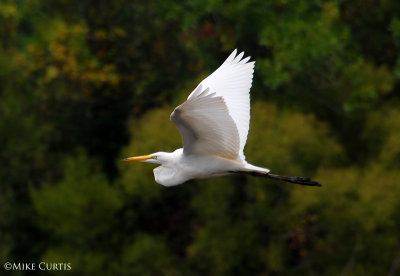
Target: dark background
86,83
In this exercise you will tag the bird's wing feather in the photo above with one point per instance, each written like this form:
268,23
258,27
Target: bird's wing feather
206,126
232,81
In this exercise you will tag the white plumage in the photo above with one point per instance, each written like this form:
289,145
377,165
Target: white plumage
206,126
232,81
214,124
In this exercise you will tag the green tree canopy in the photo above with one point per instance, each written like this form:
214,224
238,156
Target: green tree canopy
86,83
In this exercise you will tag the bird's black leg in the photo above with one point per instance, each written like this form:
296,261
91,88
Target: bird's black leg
305,181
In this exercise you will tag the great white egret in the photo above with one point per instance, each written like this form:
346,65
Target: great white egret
214,123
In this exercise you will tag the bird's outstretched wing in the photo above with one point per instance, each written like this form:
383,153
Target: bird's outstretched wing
206,126
232,81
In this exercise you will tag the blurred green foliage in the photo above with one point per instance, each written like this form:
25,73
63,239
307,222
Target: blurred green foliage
86,83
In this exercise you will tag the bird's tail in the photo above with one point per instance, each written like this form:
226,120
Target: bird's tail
292,179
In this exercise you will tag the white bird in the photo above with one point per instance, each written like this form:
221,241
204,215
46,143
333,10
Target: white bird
213,123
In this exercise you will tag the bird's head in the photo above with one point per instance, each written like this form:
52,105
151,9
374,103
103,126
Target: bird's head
155,158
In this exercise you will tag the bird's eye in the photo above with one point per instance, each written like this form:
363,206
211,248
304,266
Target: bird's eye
154,157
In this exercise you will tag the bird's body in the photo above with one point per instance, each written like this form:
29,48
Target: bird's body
214,123
180,169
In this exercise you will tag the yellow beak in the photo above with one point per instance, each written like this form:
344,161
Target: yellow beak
138,158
